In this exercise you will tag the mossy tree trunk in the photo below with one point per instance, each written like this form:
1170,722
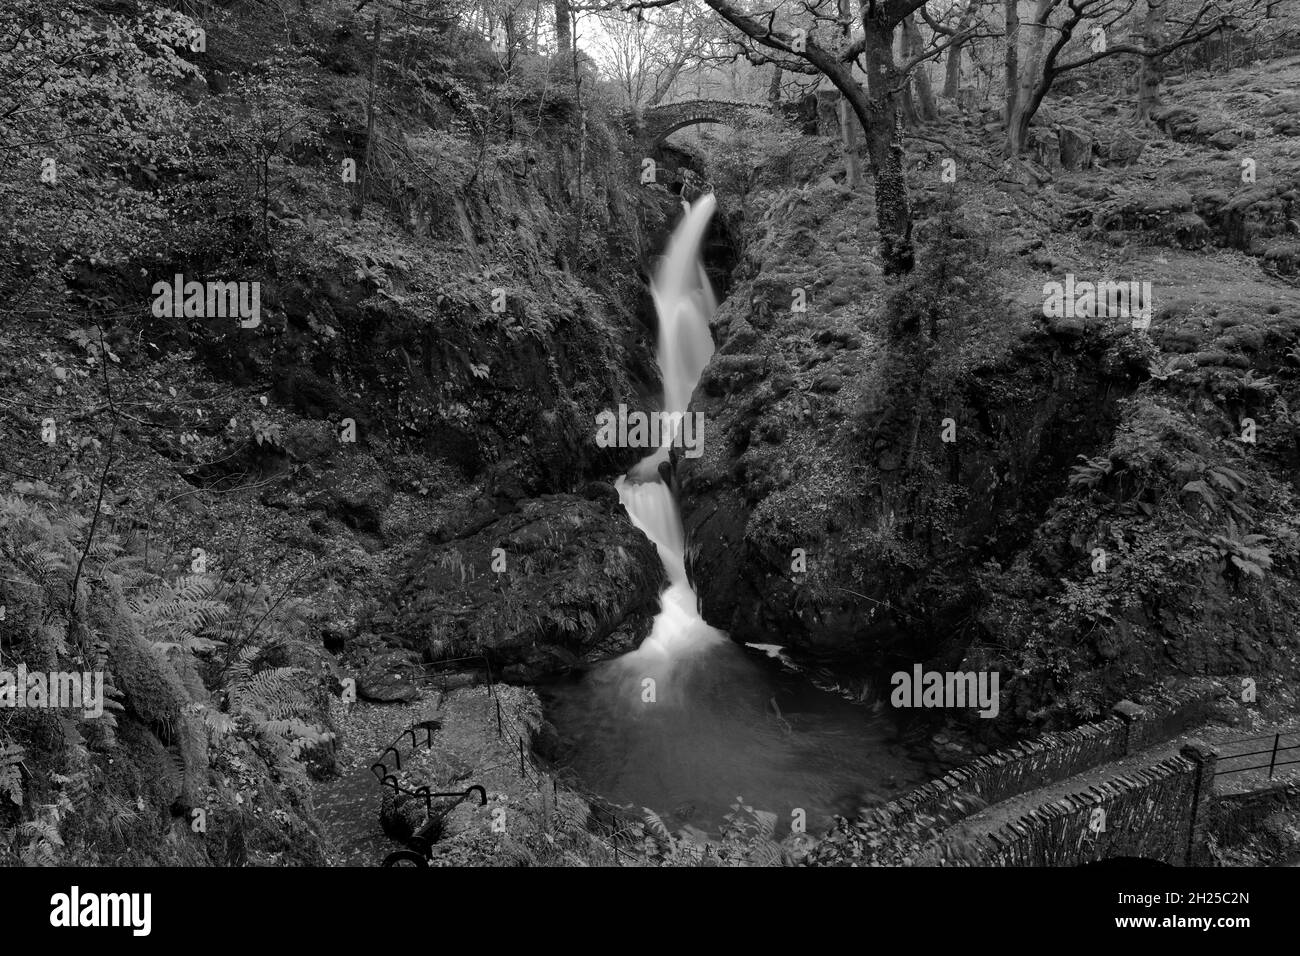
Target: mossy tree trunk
1011,59
952,60
882,121
919,86
563,29
1153,28
848,120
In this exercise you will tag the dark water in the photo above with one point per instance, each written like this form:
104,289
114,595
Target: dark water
717,737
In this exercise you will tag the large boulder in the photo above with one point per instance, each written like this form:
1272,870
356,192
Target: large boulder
387,678
1045,146
1282,104
1076,147
1124,150
550,584
1164,214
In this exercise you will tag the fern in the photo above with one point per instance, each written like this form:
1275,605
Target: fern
76,787
656,828
1092,472
1164,369
1247,553
277,709
206,665
219,723
42,836
1218,486
270,693
11,778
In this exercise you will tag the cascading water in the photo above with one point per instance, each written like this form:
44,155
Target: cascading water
684,303
690,720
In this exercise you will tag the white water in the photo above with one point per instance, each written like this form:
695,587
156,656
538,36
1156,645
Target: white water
684,303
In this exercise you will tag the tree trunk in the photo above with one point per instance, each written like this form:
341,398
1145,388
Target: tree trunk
581,205
364,191
774,88
1031,66
849,138
923,101
666,80
1151,68
907,108
512,38
848,120
952,71
876,108
1027,99
1011,63
1018,131
563,31
952,61
878,112
925,95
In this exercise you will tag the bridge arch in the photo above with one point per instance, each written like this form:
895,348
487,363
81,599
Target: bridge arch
658,122
662,135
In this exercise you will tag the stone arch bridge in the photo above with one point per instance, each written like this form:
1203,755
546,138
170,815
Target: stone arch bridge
656,123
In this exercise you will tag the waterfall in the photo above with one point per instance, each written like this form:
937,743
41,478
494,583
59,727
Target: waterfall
689,720
684,302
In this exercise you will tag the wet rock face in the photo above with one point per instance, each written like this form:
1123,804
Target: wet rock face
1197,612
1012,447
815,516
549,584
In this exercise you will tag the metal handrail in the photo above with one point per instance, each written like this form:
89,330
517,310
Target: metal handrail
1264,736
1273,751
380,769
420,841
1260,766
1256,753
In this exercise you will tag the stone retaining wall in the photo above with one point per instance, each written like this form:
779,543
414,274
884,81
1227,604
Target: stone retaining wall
1147,814
1052,757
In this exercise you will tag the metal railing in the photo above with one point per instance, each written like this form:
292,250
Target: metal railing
1271,752
420,843
389,779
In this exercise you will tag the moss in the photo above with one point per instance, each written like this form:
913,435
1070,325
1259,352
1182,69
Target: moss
152,690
